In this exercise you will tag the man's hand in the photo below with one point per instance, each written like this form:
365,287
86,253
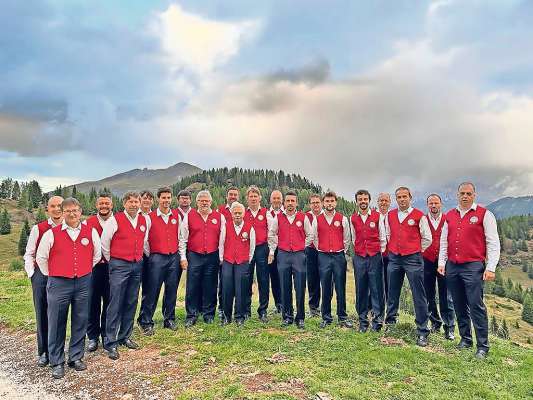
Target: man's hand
489,276
270,258
441,270
184,264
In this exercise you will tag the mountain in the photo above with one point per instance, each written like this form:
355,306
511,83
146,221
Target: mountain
510,206
141,179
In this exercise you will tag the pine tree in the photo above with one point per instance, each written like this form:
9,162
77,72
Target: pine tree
74,191
41,215
503,332
23,239
523,245
527,310
525,265
494,326
499,289
15,194
5,224
530,272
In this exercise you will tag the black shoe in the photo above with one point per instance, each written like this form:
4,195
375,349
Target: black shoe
170,324
286,322
130,344
78,365
221,314
300,324
481,354
263,318
422,341
324,323
224,322
112,352
92,345
239,322
189,323
58,371
209,320
43,360
464,345
147,330
278,309
448,334
346,324
435,328
314,312
362,329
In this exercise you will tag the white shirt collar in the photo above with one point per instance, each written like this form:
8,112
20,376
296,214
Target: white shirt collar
51,222
474,207
103,221
367,214
408,211
159,212
276,211
435,219
130,218
64,226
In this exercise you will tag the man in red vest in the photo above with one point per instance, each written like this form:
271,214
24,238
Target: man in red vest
408,235
332,239
367,263
184,203
384,202
259,218
276,207
147,202
67,254
235,256
311,259
38,279
99,299
469,253
291,232
123,242
431,277
201,238
163,264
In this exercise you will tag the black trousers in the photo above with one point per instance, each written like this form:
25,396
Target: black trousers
291,265
431,279
162,268
465,282
368,273
124,284
220,294
385,275
40,304
313,277
413,266
274,281
332,269
260,263
65,293
202,282
98,301
235,284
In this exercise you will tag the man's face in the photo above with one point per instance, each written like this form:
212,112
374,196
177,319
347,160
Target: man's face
466,196
232,196
104,206
237,214
291,202
147,202
383,204
165,199
434,205
362,201
315,204
330,203
204,204
131,205
54,208
276,199
254,200
72,215
403,198
184,201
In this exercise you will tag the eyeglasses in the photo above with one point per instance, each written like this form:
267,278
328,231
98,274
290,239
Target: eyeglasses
71,211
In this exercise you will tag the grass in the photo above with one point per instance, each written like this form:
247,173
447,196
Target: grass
515,273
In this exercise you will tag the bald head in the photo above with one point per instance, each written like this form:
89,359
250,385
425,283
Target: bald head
276,199
54,210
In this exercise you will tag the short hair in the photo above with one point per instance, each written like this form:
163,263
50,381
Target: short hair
330,193
146,193
466,183
129,195
433,195
70,201
204,193
403,188
105,194
314,196
384,194
53,198
362,192
235,205
164,189
291,193
253,189
232,188
184,193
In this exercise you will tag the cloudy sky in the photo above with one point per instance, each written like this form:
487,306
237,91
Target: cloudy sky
350,94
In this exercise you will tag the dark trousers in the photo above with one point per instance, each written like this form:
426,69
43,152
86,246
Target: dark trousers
235,284
260,263
202,282
431,279
220,294
98,301
40,304
368,273
385,275
332,269
465,282
62,294
413,266
291,265
313,277
162,268
124,283
274,281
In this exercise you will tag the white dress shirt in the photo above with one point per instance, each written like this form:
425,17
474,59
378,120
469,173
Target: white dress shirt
184,235
273,232
347,238
492,239
425,231
111,228
238,229
166,217
382,236
47,242
31,248
435,221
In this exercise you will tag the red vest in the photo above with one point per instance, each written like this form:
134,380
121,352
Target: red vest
128,242
405,238
432,252
291,237
311,217
71,259
366,234
42,226
163,238
237,247
204,235
330,237
93,222
466,236
222,209
259,223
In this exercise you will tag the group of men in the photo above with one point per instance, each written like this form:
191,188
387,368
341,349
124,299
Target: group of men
97,267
